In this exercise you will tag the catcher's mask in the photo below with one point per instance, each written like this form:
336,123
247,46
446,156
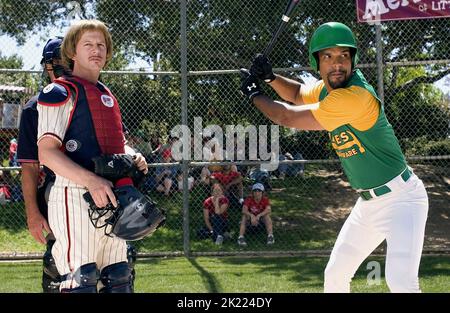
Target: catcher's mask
135,217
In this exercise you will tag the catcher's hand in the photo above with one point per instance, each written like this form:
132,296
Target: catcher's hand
135,217
140,162
116,166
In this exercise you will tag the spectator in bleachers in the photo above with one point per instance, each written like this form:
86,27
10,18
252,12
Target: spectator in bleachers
5,193
211,153
290,170
215,215
179,175
13,152
142,145
255,213
232,183
166,175
259,175
156,145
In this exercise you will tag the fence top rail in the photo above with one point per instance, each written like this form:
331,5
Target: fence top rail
200,164
235,71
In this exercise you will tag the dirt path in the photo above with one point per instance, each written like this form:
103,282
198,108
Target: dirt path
337,199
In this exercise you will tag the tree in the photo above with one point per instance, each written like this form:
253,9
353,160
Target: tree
225,35
22,17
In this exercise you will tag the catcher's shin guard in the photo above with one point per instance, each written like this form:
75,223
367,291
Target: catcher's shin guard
50,276
86,278
131,257
116,278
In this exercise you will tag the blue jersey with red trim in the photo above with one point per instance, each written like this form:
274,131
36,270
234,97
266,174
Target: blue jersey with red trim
27,150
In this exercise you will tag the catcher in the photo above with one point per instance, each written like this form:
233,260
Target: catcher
80,121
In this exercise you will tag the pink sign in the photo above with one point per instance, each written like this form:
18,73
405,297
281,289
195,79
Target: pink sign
371,11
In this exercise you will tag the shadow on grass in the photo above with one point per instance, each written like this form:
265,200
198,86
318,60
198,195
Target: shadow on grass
211,283
308,271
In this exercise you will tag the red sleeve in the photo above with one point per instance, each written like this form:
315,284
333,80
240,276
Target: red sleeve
266,202
235,174
224,200
207,203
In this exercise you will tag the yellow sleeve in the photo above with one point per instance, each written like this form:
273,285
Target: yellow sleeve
352,105
310,93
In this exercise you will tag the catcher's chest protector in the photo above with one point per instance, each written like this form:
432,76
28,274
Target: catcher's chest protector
95,127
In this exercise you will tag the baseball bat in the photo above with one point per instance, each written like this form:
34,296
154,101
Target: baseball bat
281,26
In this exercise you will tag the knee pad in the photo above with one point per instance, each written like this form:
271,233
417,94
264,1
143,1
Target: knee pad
50,276
116,278
86,276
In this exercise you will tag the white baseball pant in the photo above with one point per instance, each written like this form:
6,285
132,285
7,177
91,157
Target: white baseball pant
399,217
78,242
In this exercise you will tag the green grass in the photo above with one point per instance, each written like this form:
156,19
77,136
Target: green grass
294,227
235,275
307,214
14,235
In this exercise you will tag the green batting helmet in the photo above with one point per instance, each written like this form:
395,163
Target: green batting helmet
332,34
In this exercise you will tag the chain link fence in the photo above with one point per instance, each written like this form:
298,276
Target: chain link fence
177,63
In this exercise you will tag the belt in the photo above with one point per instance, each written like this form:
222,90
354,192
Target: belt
382,190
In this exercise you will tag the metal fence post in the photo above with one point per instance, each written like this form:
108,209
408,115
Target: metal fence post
380,68
184,94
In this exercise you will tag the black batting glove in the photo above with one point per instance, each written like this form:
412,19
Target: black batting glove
262,68
249,85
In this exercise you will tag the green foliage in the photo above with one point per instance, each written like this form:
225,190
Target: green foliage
153,129
21,80
423,146
419,110
224,35
12,62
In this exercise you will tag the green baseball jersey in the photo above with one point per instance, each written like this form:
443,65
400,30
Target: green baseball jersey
359,131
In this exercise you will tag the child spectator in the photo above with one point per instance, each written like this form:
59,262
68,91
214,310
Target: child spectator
256,208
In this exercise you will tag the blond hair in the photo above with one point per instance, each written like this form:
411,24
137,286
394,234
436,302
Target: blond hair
73,36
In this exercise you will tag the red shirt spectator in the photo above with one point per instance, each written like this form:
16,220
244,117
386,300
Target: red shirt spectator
225,178
5,194
256,207
13,152
209,205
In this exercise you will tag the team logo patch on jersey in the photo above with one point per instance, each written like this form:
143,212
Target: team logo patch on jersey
48,88
72,145
107,101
